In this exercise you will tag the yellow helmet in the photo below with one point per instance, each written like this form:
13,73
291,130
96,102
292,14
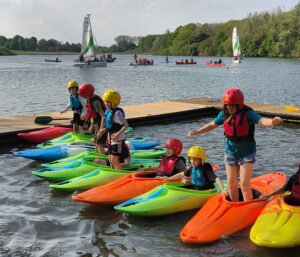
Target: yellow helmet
197,152
112,96
73,83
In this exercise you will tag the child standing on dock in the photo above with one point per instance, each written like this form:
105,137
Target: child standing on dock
172,163
95,109
239,123
115,125
78,105
199,173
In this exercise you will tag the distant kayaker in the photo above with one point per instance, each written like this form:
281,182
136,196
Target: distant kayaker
293,186
167,59
239,123
95,109
115,125
172,163
78,105
199,173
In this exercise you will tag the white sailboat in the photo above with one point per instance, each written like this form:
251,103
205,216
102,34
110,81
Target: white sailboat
236,47
88,57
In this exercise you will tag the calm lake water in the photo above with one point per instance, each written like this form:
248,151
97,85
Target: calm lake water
38,221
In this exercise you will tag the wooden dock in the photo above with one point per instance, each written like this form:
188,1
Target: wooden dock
149,113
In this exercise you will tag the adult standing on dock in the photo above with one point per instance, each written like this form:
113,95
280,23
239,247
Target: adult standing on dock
239,123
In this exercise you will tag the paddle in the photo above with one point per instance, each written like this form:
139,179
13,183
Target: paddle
42,120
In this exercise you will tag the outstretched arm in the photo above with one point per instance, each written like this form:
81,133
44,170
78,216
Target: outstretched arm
267,122
204,129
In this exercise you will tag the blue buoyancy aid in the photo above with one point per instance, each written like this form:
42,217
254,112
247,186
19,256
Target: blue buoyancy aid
109,123
198,178
75,104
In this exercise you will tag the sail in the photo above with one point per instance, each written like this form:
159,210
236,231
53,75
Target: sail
87,46
236,47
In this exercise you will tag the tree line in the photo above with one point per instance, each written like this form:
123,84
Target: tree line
267,34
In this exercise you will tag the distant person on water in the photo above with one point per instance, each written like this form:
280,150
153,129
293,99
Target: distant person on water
78,105
115,125
172,163
293,186
95,109
220,61
199,173
167,59
81,58
239,123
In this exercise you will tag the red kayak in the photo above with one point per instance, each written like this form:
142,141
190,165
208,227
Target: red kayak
44,135
219,217
122,189
186,63
215,64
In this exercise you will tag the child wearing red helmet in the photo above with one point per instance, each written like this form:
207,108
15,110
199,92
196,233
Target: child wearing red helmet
239,123
172,163
95,109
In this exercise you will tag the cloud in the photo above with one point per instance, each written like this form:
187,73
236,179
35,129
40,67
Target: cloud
164,5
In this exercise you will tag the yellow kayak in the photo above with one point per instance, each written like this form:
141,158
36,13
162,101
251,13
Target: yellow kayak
291,108
277,226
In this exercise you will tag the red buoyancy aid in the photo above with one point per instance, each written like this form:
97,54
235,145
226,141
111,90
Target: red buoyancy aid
91,110
296,186
237,126
167,164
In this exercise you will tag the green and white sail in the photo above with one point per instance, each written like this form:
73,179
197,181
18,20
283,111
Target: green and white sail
87,46
236,46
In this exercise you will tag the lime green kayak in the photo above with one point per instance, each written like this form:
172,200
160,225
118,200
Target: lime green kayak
70,138
80,168
166,199
89,154
95,178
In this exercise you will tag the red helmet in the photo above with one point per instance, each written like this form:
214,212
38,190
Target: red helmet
86,90
175,144
233,96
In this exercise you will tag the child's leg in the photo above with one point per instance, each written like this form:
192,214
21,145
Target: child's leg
245,176
232,181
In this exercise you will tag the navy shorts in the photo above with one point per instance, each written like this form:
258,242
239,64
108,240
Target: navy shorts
235,161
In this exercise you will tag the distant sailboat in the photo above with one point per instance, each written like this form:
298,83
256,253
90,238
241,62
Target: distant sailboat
236,47
87,56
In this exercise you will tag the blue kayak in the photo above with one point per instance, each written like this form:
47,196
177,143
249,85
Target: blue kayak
57,152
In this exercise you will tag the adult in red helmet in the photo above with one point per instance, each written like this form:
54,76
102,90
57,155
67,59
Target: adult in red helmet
240,148
95,109
172,163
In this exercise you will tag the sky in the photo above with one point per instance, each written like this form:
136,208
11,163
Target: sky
62,19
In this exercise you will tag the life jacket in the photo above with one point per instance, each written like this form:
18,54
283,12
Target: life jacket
296,186
167,164
91,110
199,176
75,104
237,127
109,123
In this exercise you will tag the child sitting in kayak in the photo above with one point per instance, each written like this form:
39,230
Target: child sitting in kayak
78,105
95,109
293,186
199,173
172,163
115,125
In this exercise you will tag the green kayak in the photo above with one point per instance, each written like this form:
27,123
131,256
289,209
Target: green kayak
71,138
89,154
166,199
80,168
95,178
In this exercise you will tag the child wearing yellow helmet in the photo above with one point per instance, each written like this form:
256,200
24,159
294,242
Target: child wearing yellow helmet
78,105
115,124
199,173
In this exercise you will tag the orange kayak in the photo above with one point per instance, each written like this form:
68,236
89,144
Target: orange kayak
219,217
121,189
